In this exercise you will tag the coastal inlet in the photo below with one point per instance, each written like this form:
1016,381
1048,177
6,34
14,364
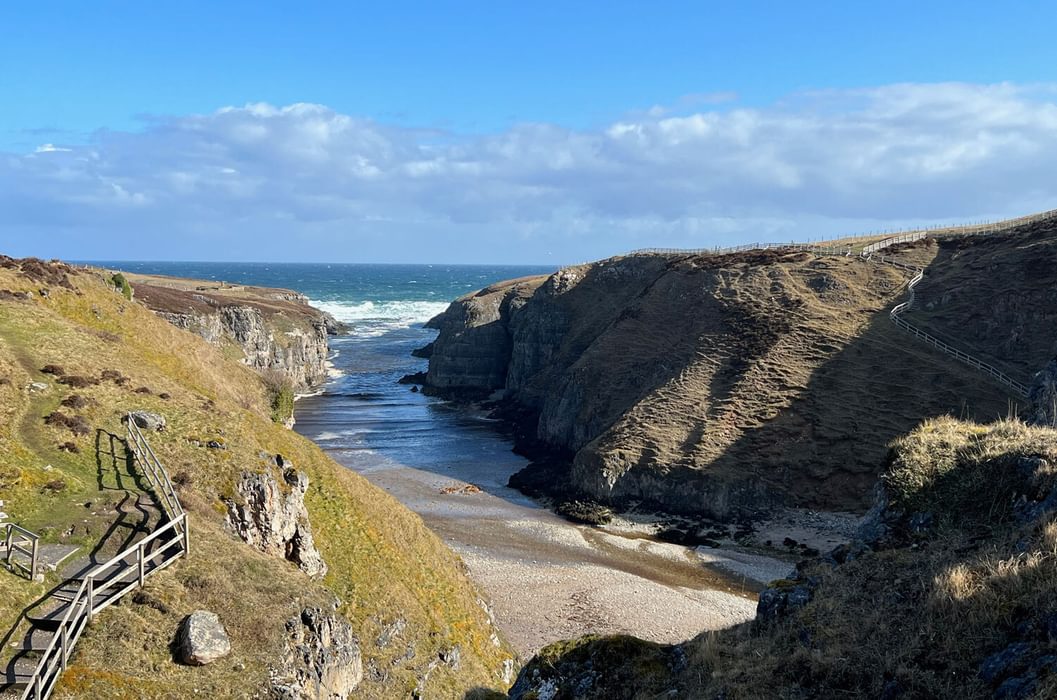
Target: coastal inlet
547,578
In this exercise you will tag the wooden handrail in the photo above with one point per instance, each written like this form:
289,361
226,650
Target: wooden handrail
897,311
28,545
174,543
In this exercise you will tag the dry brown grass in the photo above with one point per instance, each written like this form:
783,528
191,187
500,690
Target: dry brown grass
918,618
708,383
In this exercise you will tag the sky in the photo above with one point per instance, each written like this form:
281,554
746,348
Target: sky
499,132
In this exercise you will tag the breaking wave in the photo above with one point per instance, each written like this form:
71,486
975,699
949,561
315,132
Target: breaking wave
403,312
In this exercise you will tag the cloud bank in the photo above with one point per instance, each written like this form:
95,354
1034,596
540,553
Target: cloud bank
304,182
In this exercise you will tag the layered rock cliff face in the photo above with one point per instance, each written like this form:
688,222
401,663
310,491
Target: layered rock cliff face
708,384
321,658
275,522
275,329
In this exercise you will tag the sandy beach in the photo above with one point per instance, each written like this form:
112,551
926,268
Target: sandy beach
549,579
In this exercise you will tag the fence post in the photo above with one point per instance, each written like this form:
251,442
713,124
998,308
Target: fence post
64,645
33,561
91,598
139,557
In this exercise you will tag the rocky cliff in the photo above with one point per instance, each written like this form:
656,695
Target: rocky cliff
275,329
707,384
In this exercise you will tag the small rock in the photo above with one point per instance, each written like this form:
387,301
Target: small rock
37,387
148,421
202,639
451,657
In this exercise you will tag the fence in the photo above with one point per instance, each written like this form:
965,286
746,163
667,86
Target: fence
964,357
827,246
19,540
108,583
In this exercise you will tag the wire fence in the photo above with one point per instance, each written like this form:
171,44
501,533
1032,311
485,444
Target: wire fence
844,244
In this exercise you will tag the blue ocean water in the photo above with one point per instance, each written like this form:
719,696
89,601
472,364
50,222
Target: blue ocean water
364,417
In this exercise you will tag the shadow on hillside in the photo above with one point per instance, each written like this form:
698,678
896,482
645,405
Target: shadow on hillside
139,510
826,447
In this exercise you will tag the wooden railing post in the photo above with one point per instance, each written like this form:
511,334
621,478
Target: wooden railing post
64,645
91,597
139,557
33,561
187,537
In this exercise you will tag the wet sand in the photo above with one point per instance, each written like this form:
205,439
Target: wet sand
549,579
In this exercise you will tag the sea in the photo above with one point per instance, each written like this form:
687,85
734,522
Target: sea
363,417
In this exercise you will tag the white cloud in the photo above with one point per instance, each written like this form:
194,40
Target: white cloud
49,148
814,163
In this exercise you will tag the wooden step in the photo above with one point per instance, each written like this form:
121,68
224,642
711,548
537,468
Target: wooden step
37,640
49,614
17,674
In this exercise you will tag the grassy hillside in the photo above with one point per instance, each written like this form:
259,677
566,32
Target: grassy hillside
992,296
957,597
385,566
713,384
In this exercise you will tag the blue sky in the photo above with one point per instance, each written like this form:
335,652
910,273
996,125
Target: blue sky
509,132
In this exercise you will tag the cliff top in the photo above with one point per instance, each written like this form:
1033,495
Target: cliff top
181,295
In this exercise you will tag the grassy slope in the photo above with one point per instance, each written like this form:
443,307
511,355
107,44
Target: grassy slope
742,369
384,563
918,616
993,296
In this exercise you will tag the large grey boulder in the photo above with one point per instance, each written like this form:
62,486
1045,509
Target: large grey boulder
201,639
321,659
274,522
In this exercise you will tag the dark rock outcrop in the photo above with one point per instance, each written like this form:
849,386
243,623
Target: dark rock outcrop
1042,397
275,522
321,659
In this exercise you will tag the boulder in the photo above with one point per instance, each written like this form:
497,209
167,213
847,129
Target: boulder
201,639
148,421
274,522
321,658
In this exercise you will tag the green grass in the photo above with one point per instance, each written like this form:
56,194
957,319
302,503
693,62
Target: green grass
383,562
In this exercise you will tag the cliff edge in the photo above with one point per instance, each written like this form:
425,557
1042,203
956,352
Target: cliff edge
275,329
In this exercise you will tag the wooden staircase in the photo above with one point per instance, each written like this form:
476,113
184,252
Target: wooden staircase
59,619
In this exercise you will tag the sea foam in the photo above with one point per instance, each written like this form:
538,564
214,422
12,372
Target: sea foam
395,314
